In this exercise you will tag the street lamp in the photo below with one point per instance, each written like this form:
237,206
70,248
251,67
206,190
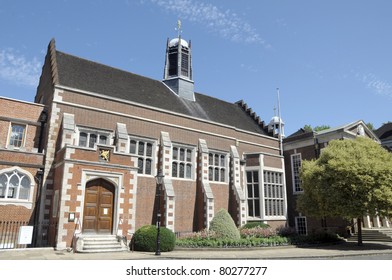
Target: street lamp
159,181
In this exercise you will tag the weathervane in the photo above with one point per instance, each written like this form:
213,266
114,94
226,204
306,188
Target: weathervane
179,30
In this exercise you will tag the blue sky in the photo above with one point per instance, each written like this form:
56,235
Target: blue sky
331,60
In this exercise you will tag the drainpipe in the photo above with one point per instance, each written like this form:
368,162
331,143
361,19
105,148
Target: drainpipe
43,118
39,177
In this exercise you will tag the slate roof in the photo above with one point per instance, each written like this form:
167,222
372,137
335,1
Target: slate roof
94,77
384,133
302,133
299,134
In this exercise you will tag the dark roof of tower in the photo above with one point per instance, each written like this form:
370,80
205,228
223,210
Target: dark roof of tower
78,73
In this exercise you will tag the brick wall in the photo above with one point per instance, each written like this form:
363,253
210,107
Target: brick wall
25,159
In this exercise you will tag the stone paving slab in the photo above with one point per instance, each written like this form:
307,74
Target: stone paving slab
284,253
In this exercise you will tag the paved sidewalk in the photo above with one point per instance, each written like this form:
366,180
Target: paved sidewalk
272,253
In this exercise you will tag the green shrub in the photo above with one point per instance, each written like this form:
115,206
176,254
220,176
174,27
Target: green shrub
223,225
145,239
255,224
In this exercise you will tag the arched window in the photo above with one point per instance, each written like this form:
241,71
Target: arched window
16,187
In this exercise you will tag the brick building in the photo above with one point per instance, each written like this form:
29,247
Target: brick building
307,145
21,165
109,132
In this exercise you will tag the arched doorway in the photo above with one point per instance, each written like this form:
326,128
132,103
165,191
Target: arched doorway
98,207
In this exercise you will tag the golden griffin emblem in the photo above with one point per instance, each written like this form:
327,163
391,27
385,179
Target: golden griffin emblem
104,154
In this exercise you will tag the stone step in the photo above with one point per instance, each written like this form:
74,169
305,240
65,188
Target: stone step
103,246
102,250
109,242
100,237
100,243
374,235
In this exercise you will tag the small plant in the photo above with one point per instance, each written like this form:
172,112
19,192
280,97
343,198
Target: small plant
257,232
145,239
286,231
255,224
204,234
223,225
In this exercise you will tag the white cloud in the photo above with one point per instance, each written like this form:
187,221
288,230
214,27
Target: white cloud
226,23
17,69
375,84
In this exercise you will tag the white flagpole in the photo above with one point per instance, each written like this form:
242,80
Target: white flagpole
280,124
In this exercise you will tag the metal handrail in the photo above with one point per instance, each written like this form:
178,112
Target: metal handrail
78,226
122,237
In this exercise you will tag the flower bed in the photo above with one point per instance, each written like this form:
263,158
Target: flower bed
252,237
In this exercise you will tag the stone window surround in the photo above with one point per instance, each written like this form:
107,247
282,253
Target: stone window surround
8,145
192,161
97,132
261,170
28,203
274,193
295,169
144,156
221,167
301,225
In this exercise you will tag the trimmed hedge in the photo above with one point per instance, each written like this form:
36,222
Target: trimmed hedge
223,225
145,239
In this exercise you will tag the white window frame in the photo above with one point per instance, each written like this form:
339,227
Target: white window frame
220,166
185,162
260,198
302,224
90,132
295,173
23,144
274,197
16,171
145,157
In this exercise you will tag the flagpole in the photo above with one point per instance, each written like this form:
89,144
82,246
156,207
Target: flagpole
280,124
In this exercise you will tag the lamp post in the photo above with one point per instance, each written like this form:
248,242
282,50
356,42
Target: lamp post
159,181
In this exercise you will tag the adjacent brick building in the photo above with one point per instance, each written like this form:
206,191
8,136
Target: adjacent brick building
307,145
21,165
109,132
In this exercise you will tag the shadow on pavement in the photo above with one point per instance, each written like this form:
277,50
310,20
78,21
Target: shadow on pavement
352,246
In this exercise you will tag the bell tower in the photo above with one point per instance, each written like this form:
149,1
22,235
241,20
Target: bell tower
178,67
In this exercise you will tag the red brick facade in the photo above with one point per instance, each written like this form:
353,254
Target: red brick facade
307,146
176,143
23,160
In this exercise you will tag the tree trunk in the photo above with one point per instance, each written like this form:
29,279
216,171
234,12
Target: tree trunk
359,223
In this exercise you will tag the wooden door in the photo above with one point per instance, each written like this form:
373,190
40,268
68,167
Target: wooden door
98,207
